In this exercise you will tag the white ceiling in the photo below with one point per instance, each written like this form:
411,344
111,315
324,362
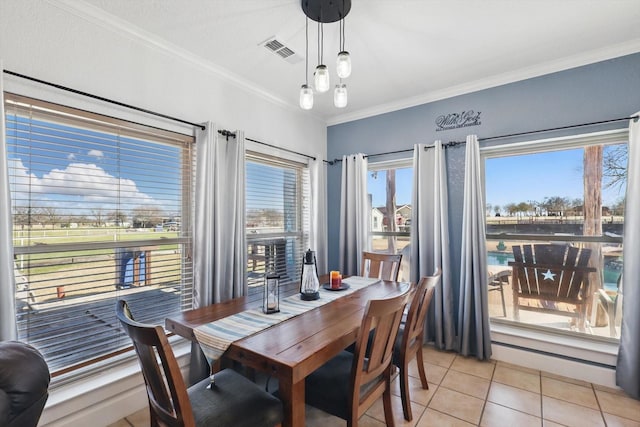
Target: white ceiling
404,52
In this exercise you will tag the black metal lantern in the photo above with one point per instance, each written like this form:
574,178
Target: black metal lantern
309,282
271,297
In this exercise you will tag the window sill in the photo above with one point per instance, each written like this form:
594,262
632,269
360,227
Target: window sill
105,395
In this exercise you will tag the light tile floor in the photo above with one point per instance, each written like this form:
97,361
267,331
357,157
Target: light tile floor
466,392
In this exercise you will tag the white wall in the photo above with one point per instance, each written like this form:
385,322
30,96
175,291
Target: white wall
53,41
58,41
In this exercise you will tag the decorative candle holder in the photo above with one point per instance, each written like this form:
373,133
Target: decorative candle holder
271,297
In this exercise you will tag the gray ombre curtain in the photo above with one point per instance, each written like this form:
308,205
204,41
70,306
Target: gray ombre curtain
430,237
318,221
473,314
354,213
628,366
8,329
219,242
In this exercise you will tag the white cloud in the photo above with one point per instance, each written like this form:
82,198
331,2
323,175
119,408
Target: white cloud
95,153
71,156
79,183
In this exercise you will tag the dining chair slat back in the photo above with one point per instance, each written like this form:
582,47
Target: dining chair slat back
172,404
380,265
350,383
410,338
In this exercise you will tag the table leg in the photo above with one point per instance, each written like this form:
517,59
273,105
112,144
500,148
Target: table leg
292,396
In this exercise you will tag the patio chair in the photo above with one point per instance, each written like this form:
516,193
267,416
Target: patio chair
233,400
545,276
381,266
497,282
347,385
612,302
409,342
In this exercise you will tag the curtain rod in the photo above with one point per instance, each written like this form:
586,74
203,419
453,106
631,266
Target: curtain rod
227,134
454,143
100,98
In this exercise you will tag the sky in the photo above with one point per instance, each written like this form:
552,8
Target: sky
79,171
513,179
87,173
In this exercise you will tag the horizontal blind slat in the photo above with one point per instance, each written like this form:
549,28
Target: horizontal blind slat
79,180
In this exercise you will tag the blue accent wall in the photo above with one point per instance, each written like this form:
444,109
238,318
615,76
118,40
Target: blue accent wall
595,92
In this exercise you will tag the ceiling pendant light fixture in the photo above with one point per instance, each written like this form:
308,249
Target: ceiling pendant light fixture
323,12
340,96
343,62
322,83
306,93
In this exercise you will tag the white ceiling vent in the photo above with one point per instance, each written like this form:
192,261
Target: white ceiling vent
278,47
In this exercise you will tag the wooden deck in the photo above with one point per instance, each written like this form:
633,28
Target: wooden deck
72,331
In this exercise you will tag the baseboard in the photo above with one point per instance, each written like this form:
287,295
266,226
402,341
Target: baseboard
593,362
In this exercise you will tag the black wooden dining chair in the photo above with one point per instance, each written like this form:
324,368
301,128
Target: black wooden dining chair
347,385
233,401
410,336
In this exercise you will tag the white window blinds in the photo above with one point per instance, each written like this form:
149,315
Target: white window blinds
101,211
277,215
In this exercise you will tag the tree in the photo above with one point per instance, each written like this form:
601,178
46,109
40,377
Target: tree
21,216
146,216
618,208
391,210
555,205
522,208
614,164
98,214
593,169
117,217
50,216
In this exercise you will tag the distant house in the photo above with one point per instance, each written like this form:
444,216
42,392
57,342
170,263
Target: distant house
377,219
403,215
402,218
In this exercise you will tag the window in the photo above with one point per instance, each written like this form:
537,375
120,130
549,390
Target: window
389,185
277,221
101,211
567,192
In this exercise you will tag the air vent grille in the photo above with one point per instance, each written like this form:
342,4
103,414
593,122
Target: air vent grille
285,52
273,45
279,47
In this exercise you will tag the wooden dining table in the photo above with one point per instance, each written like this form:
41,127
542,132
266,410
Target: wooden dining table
294,348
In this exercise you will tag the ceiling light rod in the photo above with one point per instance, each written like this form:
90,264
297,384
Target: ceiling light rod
326,11
306,93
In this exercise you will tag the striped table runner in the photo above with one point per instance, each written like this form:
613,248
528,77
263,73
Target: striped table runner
215,337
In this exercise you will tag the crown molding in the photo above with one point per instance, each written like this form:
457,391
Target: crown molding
112,23
122,27
586,58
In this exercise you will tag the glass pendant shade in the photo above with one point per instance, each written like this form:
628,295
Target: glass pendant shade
343,64
322,78
340,96
306,97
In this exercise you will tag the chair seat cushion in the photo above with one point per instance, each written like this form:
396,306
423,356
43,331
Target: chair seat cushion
233,401
327,388
397,346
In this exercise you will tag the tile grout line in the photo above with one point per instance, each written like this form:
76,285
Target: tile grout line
486,396
541,400
593,388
